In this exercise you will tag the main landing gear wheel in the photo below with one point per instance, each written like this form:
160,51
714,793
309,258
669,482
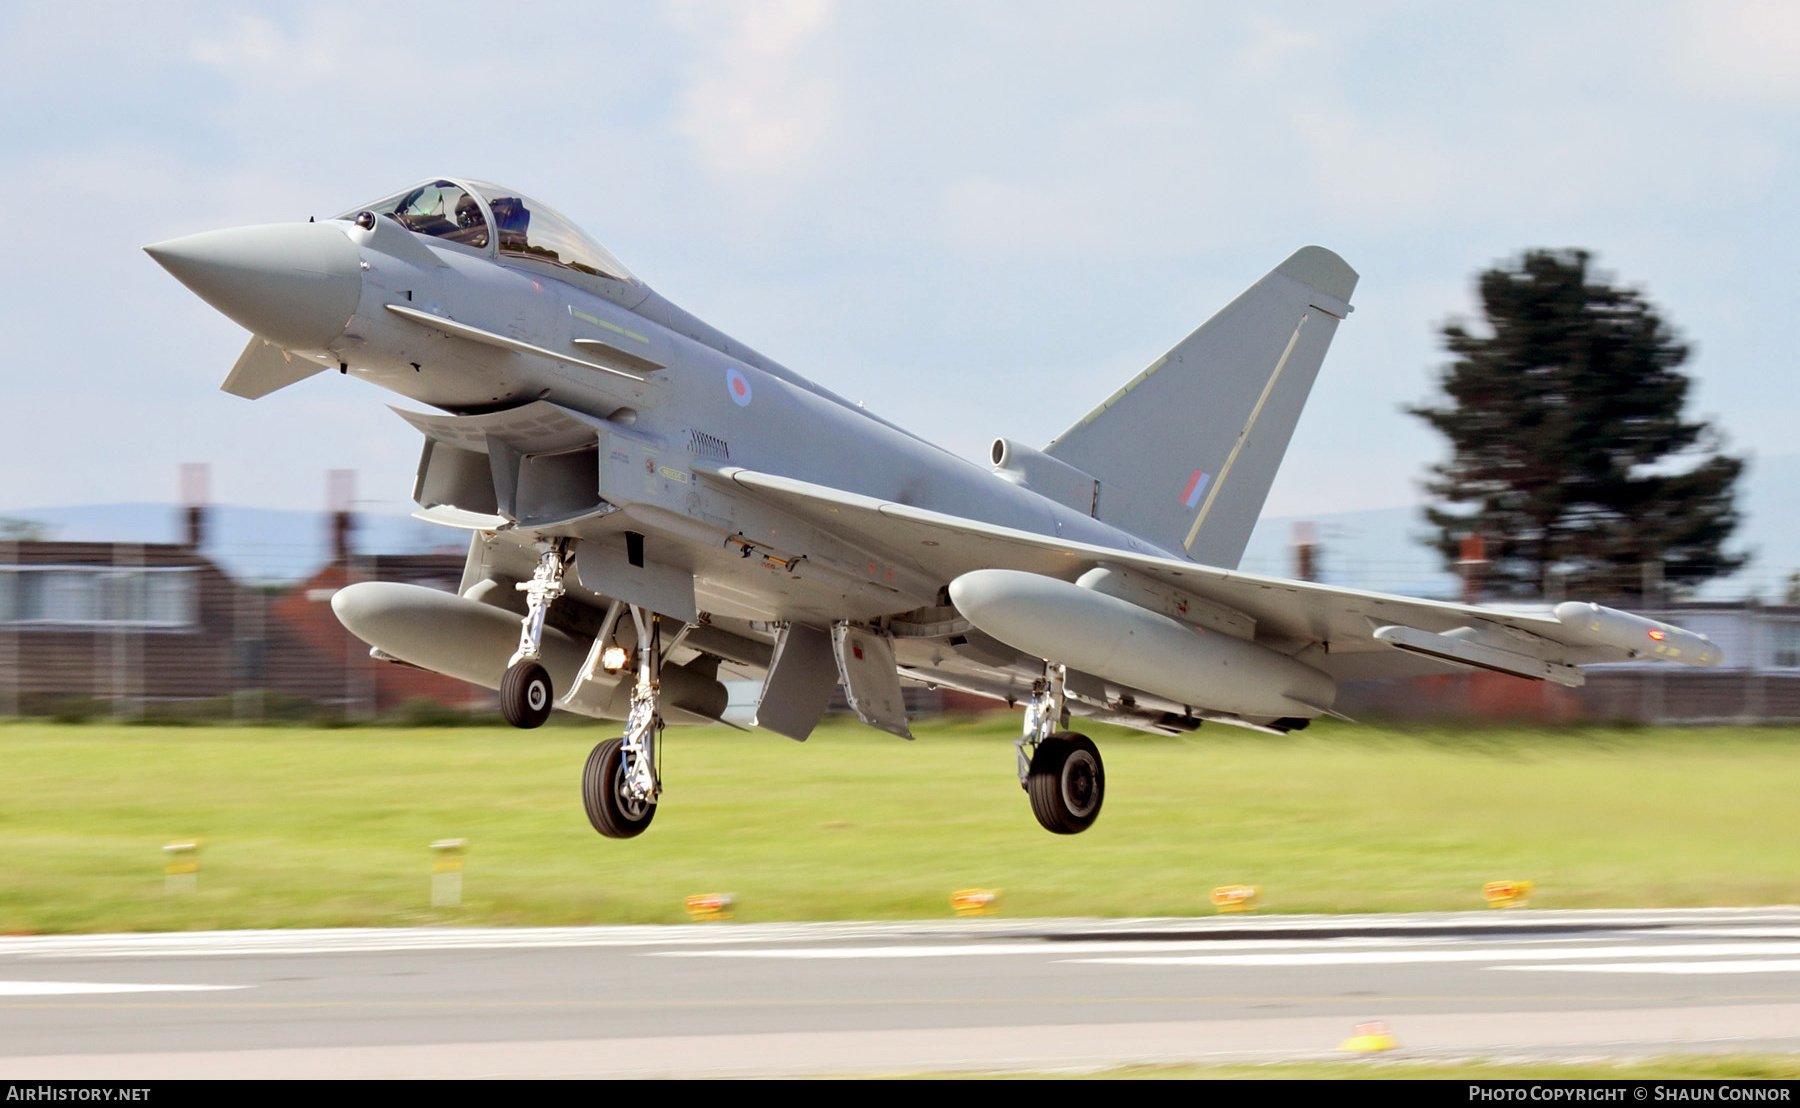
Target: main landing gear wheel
525,694
1066,783
606,792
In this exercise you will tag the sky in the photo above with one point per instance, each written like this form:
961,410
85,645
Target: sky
977,218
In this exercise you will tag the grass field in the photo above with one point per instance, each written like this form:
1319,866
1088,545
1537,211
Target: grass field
330,827
1674,1067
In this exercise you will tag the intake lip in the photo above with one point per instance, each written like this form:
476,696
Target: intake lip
295,284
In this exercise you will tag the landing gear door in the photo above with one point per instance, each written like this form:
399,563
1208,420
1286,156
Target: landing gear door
798,687
871,680
609,568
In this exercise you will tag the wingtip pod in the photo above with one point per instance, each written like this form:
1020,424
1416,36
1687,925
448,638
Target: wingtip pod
1645,638
1321,269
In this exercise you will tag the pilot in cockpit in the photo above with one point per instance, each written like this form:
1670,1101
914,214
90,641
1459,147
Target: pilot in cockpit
468,213
511,218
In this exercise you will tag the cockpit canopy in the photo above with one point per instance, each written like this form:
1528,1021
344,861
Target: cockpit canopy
475,213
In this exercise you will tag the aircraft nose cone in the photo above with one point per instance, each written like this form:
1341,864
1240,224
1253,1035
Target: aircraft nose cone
295,284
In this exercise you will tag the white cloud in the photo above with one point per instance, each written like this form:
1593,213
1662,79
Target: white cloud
251,45
757,101
1376,170
1748,49
988,213
1278,47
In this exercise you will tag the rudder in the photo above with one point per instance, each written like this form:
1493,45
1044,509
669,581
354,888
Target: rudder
1186,451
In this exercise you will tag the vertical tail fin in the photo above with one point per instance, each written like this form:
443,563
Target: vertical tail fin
1186,451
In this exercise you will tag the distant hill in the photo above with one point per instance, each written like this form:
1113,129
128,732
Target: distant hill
1376,549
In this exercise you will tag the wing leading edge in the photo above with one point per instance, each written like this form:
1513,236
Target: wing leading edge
1351,634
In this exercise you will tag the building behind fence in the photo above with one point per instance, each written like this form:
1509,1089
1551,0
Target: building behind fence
158,630
1759,681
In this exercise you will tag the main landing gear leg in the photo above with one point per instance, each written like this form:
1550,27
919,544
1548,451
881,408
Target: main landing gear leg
1058,769
525,693
621,784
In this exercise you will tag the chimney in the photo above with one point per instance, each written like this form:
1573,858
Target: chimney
195,479
1472,565
1306,552
340,493
1651,588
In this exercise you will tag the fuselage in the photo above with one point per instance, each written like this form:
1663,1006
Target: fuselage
441,295
778,422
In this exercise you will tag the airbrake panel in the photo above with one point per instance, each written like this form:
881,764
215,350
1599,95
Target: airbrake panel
871,680
801,677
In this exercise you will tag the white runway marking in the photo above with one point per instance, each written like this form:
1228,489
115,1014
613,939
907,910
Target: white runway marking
1267,952
980,937
966,950
77,988
381,940
1422,954
1775,965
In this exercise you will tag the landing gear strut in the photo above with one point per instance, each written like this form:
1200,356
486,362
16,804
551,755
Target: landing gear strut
525,693
1059,770
621,784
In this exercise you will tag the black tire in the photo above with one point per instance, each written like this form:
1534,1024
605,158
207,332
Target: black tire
525,695
1067,783
613,811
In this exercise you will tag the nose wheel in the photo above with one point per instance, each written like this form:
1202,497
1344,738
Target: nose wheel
525,694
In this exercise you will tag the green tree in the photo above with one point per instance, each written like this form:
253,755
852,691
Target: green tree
1569,454
22,530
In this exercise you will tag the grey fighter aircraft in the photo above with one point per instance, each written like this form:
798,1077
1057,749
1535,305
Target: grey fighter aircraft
653,505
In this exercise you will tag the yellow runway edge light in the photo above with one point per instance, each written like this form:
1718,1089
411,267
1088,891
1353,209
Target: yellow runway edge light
1369,1037
446,872
974,902
1507,894
182,872
710,906
1236,898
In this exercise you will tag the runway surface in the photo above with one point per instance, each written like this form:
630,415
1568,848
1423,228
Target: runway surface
726,999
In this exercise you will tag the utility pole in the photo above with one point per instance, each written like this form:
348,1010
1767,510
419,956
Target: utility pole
1306,551
9,638
129,604
359,679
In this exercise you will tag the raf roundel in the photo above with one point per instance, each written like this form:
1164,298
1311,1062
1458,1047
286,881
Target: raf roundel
738,386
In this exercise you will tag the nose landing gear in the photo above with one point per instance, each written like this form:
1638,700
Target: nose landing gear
525,691
1059,770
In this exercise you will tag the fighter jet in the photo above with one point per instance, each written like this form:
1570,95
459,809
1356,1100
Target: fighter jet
653,506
